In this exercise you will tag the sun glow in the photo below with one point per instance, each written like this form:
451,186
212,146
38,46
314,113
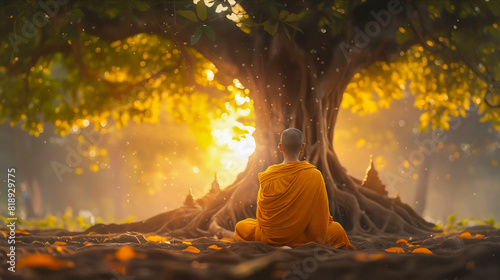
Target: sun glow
233,139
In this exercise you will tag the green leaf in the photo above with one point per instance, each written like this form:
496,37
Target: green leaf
188,14
75,15
197,35
209,31
271,26
201,10
271,11
287,32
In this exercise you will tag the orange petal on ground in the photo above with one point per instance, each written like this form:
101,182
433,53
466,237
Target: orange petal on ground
402,241
470,265
377,256
395,250
360,256
215,247
191,249
59,243
227,239
156,238
422,251
125,253
44,261
465,234
478,235
187,243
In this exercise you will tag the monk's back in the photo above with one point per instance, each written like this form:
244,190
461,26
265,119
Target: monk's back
292,202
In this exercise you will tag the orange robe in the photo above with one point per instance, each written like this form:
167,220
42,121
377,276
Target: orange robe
292,209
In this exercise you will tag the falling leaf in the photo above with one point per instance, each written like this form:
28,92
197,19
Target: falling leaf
59,243
191,249
395,250
215,247
478,235
227,239
44,261
422,251
465,234
402,241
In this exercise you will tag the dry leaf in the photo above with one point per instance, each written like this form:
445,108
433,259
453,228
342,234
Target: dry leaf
478,235
44,261
191,249
215,247
395,250
227,239
402,241
59,243
422,251
187,243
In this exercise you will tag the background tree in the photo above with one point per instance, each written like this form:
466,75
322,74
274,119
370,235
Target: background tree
298,60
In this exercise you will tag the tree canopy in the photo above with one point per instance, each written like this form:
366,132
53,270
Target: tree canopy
61,62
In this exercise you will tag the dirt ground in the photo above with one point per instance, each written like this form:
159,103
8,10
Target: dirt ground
59,254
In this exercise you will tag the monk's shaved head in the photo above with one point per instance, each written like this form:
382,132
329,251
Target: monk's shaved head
292,140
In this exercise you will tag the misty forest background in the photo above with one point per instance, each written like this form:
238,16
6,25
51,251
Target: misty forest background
463,175
148,165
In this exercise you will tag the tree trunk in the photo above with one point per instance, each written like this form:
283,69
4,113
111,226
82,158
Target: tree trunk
295,93
422,186
293,83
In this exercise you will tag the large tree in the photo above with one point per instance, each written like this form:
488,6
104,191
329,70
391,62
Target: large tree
297,60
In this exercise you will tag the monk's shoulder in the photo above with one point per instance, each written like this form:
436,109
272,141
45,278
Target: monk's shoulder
313,172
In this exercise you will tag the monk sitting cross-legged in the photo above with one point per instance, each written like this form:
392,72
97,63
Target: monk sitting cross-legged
292,204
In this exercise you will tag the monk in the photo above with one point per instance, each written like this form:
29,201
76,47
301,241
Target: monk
292,204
